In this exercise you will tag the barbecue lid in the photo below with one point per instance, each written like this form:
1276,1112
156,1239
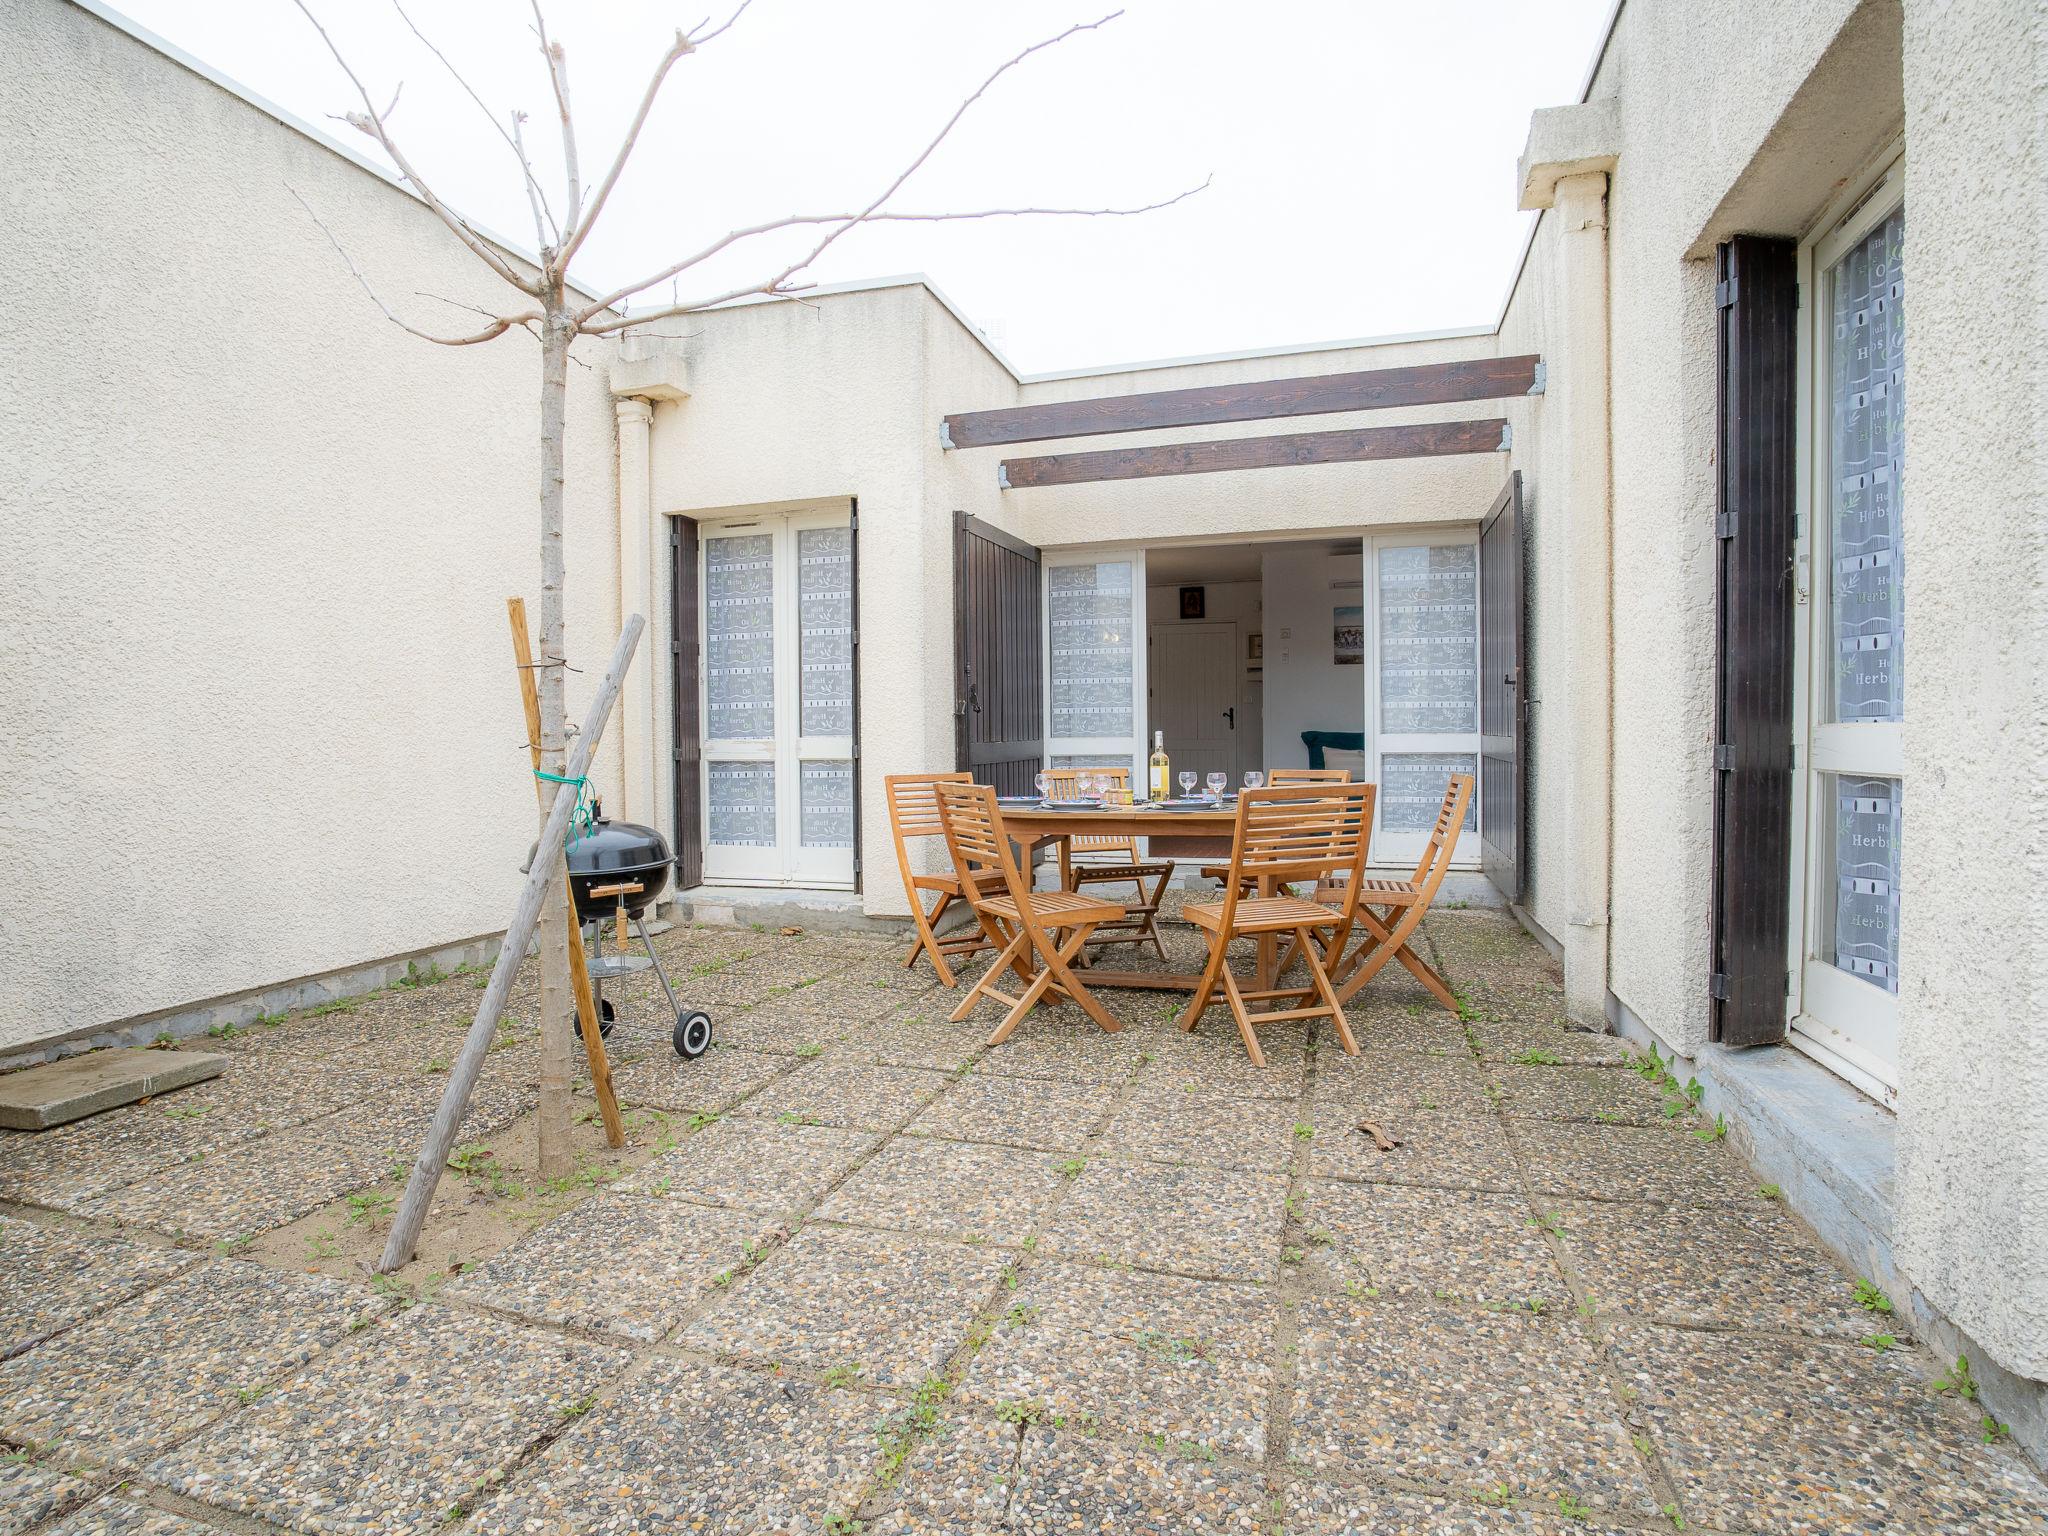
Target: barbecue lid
617,847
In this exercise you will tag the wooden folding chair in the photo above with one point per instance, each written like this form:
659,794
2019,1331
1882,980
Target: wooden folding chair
1025,923
1389,911
914,813
1315,832
1282,776
1086,861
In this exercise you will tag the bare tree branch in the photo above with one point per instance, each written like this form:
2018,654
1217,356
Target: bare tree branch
499,325
684,43
558,76
535,198
842,223
534,194
370,122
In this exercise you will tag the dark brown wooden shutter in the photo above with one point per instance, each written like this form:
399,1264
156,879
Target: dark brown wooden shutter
999,706
686,652
1503,690
1757,303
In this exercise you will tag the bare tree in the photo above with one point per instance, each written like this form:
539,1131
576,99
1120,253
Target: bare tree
550,308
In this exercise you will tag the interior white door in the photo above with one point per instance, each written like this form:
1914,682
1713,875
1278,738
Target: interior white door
1422,684
1193,682
1850,659
778,686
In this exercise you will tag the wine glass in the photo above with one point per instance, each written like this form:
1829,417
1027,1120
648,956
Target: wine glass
1218,782
1253,779
1044,783
1187,783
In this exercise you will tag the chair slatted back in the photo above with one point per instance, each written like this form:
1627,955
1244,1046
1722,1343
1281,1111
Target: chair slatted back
1290,832
974,832
914,802
1309,776
1443,837
1065,784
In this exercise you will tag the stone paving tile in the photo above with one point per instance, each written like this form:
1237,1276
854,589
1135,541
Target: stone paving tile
1449,1243
620,1264
1618,1162
1326,1509
711,1084
253,1187
391,1432
1212,1059
955,1189
30,1493
1502,1040
1063,1044
1476,940
50,1277
1017,1112
116,1516
1727,1265
1383,1084
132,1381
1145,1354
67,1166
1446,1151
980,1480
847,1002
1200,1128
1425,1025
1201,1221
891,1307
755,1165
690,1447
917,1036
1467,1399
1806,1436
1607,1095
849,1094
771,1029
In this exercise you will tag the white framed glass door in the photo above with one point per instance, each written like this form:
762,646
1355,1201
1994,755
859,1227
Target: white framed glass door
1850,642
1095,659
1421,646
778,704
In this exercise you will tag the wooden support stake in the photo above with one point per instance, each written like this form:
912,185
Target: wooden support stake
433,1158
579,962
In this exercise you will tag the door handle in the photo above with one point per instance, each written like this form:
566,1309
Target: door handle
1513,678
974,697
1230,714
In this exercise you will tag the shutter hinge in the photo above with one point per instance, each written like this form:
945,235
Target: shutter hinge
1724,293
1717,986
1724,525
1724,757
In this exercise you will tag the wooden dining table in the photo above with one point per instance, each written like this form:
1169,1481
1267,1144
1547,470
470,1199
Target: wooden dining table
1204,833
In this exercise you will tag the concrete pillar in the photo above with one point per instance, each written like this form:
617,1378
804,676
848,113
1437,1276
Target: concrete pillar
636,723
1581,203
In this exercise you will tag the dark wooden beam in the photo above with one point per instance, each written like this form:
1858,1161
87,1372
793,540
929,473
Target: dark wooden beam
1422,439
1482,378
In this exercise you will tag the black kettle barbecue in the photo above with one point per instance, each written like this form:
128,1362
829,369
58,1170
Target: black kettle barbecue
619,868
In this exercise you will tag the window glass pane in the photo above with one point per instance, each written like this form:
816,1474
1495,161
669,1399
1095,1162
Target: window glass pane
824,606
1429,639
826,811
742,804
1866,369
1861,933
739,637
1091,628
1412,786
1089,760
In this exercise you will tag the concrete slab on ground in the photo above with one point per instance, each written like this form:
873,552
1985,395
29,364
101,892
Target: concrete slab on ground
77,1086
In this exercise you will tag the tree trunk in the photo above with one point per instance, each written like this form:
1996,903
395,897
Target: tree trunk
557,1159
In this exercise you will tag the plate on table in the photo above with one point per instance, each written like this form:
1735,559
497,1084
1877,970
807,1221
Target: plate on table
1017,800
1072,805
1193,803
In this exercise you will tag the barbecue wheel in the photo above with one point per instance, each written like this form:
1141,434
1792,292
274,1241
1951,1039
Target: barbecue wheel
693,1033
605,1019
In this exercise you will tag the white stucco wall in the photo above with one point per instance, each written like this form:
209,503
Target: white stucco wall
1973,1103
259,714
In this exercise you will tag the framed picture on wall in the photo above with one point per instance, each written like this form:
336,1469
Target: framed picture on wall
1255,652
1349,637
1192,602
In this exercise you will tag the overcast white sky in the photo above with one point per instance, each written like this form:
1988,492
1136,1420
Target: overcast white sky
1363,150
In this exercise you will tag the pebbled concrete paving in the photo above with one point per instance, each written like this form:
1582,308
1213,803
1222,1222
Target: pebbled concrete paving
866,1274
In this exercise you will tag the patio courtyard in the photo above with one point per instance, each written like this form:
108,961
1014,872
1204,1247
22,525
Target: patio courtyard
856,1272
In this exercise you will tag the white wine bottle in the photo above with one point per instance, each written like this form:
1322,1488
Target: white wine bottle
1162,770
